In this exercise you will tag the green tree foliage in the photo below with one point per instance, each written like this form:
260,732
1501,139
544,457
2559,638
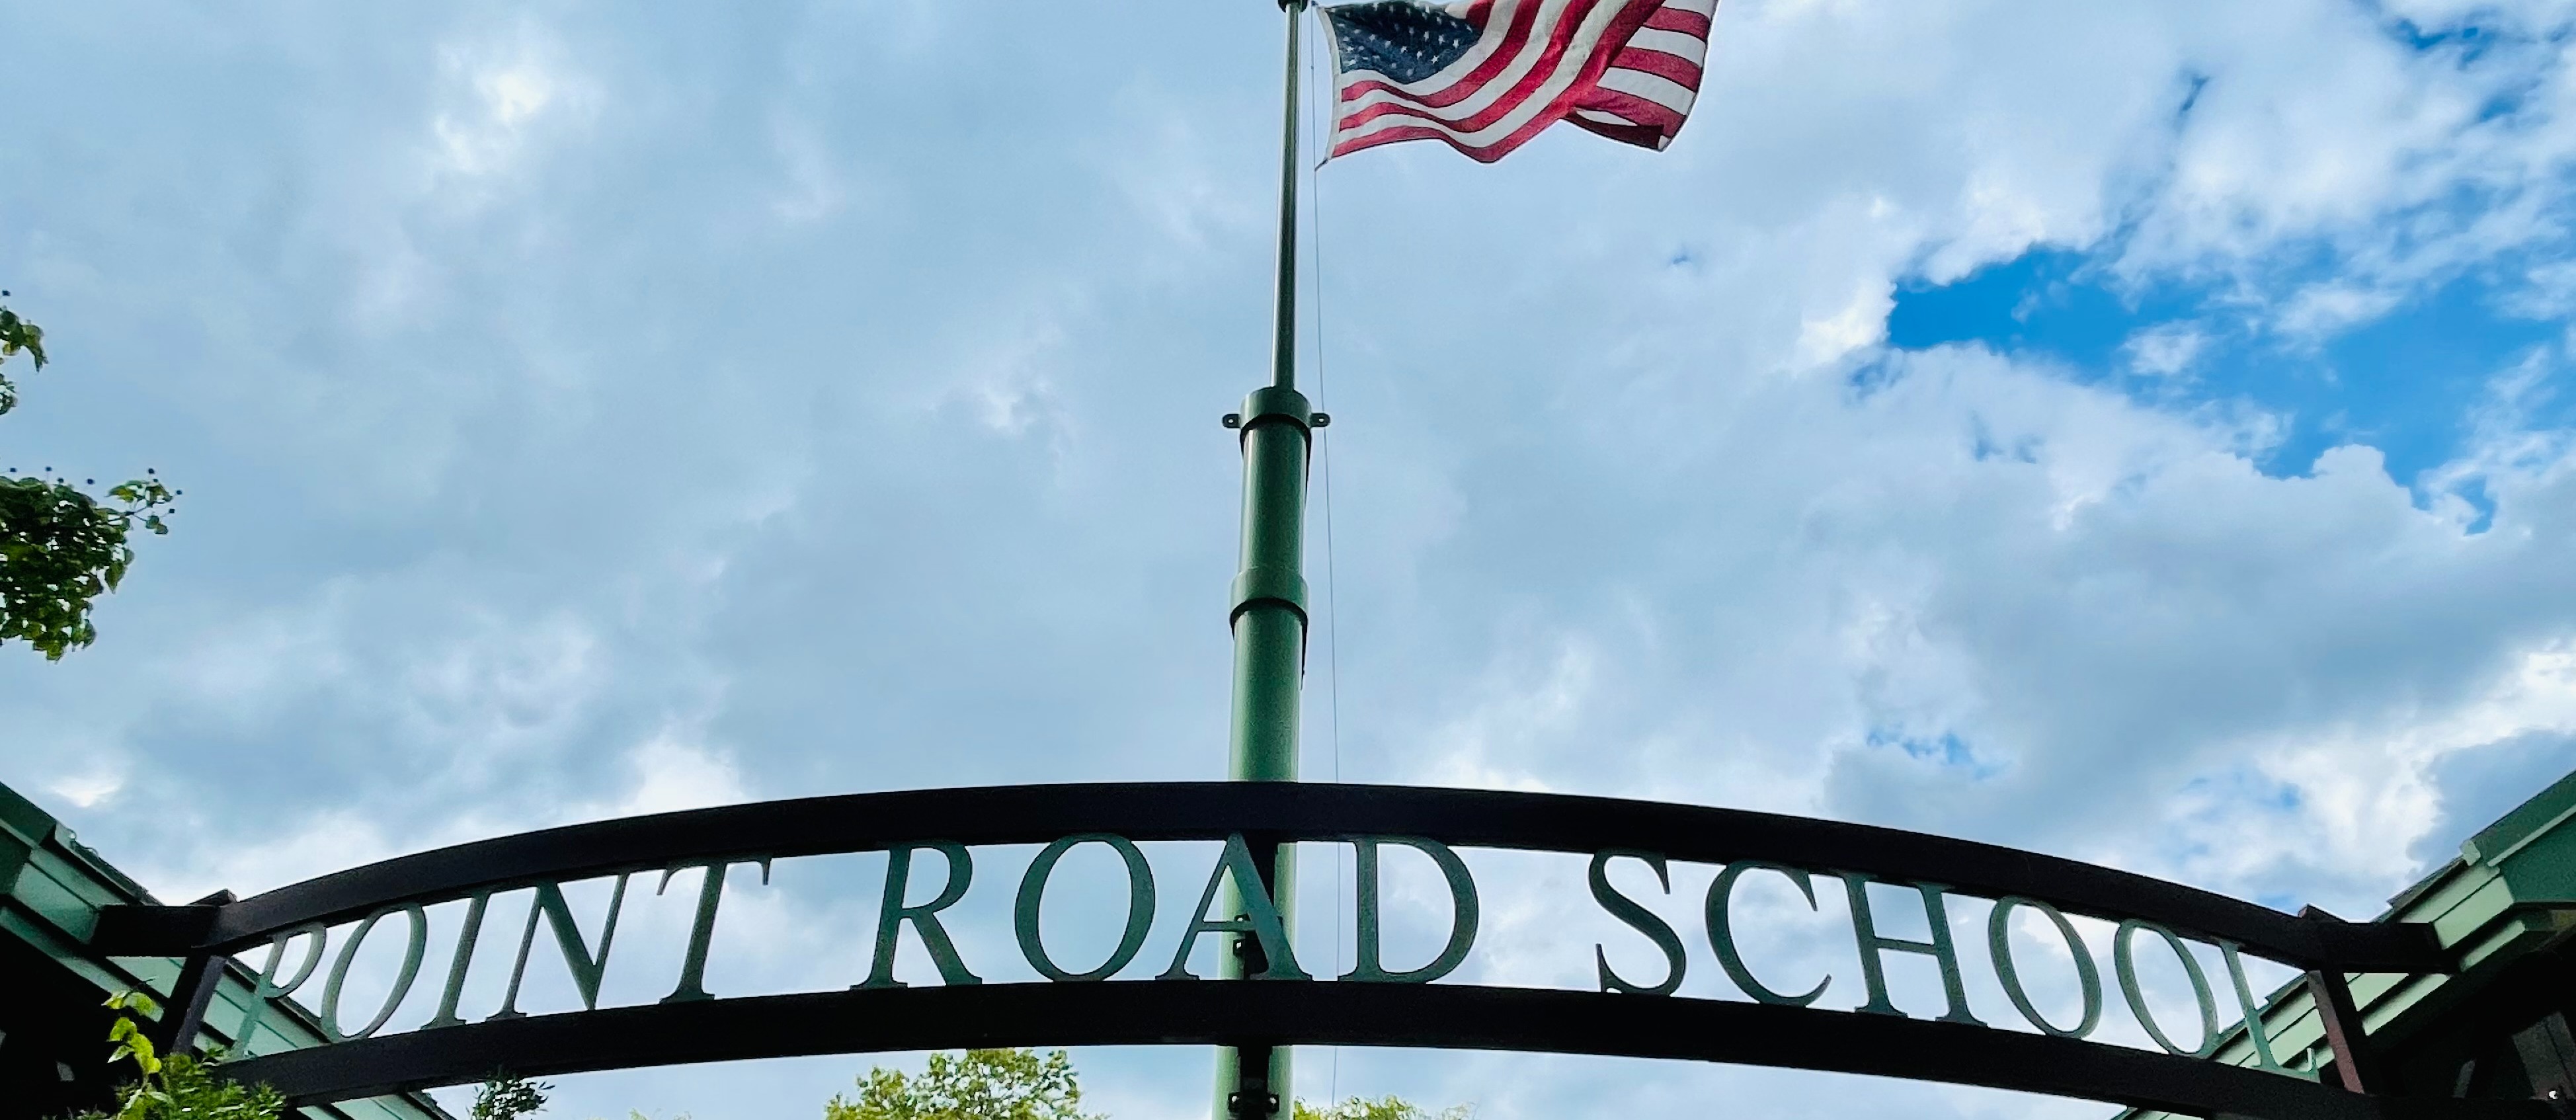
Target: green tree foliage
976,1085
178,1087
1383,1108
60,547
508,1098
17,336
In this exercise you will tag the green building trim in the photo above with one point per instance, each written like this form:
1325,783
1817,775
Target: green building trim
2496,1028
53,1029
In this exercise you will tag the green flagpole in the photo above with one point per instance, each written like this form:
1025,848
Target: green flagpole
1269,621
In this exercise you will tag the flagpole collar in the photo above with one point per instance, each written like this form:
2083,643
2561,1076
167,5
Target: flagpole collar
1256,585
1275,405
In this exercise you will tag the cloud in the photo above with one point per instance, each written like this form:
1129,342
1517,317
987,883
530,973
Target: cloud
673,775
2166,350
85,789
501,89
2329,309
598,414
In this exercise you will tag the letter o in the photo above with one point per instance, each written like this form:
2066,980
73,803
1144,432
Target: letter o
2088,977
1140,906
413,947
2123,959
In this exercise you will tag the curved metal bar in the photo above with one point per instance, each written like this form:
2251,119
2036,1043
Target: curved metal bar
1214,1012
1276,810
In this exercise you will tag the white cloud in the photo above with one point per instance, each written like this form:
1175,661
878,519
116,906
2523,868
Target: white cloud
734,409
661,775
674,775
502,88
2329,309
2166,350
1862,322
88,788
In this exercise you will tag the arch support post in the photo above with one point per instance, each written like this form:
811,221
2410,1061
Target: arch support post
2346,1035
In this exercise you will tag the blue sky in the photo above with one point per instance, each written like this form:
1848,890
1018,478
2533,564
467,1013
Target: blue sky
2136,432
2395,383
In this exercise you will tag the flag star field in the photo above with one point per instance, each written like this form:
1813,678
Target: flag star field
1404,41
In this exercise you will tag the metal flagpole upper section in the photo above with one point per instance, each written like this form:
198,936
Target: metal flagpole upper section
1283,371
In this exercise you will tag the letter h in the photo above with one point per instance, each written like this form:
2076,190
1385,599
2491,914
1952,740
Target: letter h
1941,949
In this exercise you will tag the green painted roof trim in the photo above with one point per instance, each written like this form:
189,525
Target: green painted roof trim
34,827
51,889
2528,822
2511,892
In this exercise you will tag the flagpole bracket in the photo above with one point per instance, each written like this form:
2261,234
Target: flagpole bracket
1272,404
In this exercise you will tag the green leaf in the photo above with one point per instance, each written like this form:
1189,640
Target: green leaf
60,549
507,1098
17,334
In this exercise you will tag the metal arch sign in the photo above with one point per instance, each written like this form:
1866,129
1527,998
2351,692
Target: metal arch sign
1284,1003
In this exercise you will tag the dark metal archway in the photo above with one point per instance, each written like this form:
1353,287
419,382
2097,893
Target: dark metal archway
1270,1012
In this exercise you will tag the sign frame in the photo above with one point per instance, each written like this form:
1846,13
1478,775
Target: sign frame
1384,1009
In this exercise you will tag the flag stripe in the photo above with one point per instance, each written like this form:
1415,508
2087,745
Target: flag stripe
1490,87
1637,134
1671,107
1540,88
1689,48
1552,63
1483,62
1625,69
1660,90
1678,71
1681,18
1634,108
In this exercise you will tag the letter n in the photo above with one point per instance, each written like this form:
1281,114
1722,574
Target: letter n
586,968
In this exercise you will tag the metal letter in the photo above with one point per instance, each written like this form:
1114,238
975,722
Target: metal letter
702,928
466,936
1721,932
2227,951
1462,922
892,913
413,946
1942,951
1140,906
2123,960
1260,918
2088,977
1638,918
268,987
576,952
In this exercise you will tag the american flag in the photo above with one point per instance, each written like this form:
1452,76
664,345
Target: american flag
1486,75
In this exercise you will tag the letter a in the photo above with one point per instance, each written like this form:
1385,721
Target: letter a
1260,918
